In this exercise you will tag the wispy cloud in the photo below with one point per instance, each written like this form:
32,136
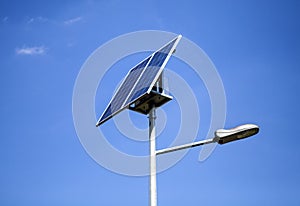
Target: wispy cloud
72,21
38,19
31,50
5,19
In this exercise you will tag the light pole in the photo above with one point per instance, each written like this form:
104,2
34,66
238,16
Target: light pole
222,136
152,145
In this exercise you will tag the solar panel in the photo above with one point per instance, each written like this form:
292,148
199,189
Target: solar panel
139,80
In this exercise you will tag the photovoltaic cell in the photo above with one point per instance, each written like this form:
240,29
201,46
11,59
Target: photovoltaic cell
139,80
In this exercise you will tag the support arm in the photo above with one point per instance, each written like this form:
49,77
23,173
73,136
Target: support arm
185,146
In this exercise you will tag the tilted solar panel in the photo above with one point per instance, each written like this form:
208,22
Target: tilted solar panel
139,80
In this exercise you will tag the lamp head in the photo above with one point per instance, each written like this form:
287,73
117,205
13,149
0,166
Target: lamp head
223,136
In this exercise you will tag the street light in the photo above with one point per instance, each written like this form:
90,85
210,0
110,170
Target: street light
143,91
222,136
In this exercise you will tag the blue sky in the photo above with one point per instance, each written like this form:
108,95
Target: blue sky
255,47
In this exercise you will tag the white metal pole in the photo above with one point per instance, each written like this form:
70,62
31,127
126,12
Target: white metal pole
153,193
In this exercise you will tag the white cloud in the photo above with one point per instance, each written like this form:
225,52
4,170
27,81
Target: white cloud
72,21
31,50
